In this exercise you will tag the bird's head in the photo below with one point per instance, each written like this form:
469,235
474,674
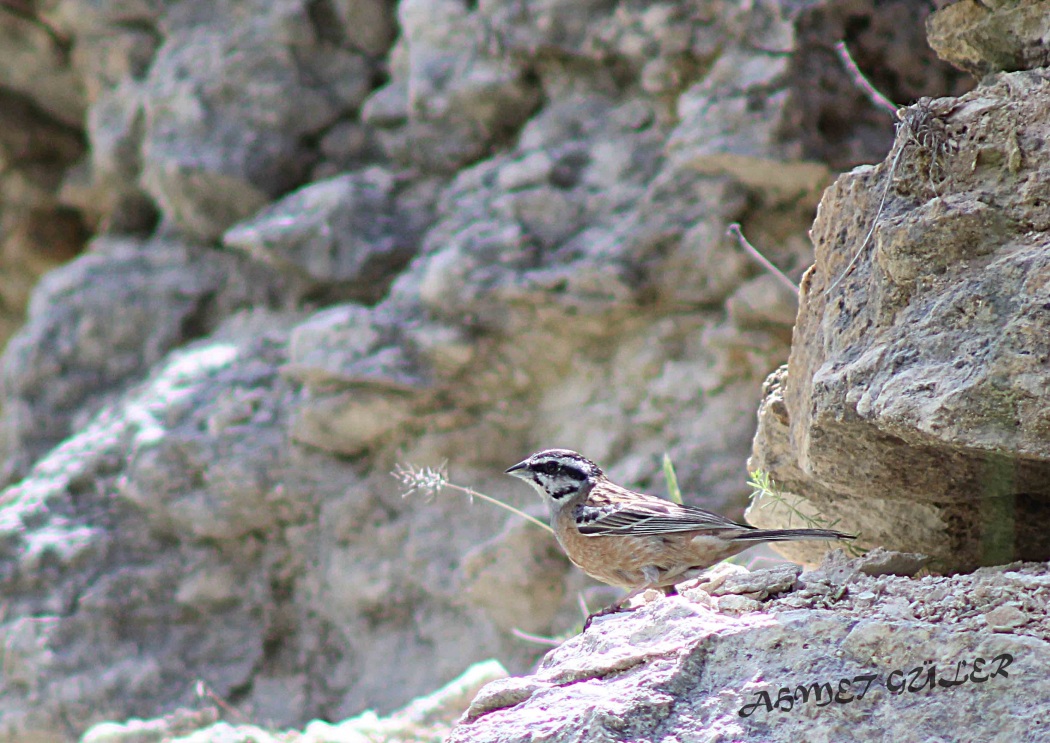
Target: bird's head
558,474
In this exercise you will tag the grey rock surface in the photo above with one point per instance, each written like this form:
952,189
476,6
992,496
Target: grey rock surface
177,538
454,232
350,234
452,93
845,659
95,566
428,718
202,172
102,321
993,37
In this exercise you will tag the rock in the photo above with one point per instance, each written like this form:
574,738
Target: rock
106,188
762,301
178,723
832,116
990,37
37,230
352,422
35,67
736,604
517,577
881,561
462,100
58,536
346,234
110,315
760,583
1005,618
501,694
915,406
196,163
113,54
975,228
82,17
785,673
717,575
351,345
115,125
345,146
181,476
362,377
367,26
208,441
723,132
428,717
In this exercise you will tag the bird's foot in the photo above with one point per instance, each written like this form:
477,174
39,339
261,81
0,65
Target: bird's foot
700,580
611,609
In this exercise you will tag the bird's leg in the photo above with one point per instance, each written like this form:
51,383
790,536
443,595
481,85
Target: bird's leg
604,612
652,578
612,608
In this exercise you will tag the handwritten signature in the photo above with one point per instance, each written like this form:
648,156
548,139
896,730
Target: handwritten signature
897,682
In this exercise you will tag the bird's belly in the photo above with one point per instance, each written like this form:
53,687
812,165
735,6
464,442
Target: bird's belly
618,561
625,561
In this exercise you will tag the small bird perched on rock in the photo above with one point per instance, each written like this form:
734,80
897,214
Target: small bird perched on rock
633,540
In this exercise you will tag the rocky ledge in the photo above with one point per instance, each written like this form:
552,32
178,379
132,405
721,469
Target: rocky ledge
840,653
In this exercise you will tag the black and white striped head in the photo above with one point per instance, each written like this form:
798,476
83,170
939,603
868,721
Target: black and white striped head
558,474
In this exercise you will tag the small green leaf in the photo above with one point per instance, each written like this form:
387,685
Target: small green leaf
672,480
763,486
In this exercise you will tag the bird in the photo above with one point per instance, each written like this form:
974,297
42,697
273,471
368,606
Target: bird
633,540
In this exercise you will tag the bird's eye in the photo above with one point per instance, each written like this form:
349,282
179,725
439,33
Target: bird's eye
549,468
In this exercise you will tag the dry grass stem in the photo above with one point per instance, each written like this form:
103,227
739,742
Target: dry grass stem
751,250
432,480
862,82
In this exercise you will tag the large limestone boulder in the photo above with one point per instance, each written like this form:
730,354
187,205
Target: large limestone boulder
916,405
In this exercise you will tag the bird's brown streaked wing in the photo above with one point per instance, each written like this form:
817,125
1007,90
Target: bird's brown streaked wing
646,515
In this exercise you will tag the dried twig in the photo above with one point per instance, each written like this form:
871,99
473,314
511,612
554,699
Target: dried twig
874,222
862,82
551,642
205,692
751,250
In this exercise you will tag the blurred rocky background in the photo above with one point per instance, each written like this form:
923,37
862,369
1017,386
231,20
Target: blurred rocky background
254,254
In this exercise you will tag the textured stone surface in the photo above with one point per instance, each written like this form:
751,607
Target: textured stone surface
428,718
37,231
100,322
197,165
177,537
916,405
97,565
455,232
36,66
899,657
348,234
451,96
991,37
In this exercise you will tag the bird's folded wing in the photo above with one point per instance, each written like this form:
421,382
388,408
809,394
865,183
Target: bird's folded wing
647,517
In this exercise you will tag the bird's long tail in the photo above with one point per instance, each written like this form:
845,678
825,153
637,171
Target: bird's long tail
783,535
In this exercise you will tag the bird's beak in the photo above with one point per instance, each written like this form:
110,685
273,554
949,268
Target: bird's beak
516,469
